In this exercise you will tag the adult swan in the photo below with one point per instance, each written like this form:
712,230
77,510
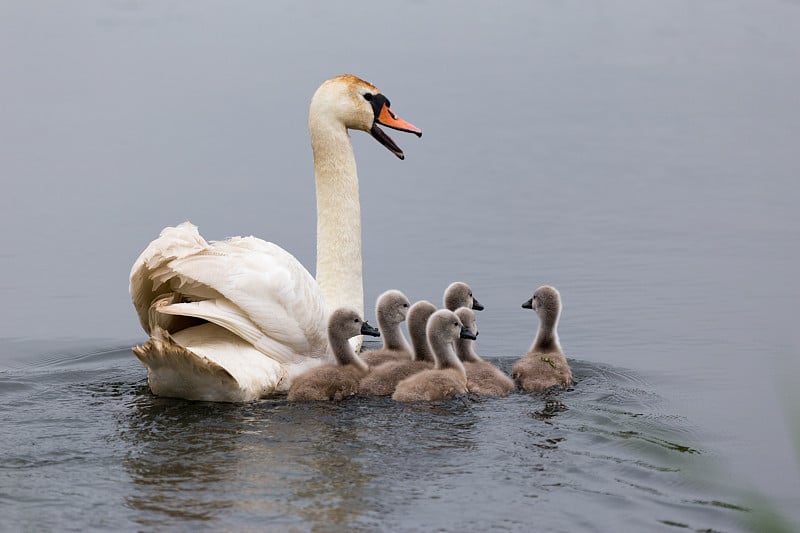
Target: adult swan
238,319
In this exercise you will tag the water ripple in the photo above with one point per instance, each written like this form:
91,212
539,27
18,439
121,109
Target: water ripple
607,443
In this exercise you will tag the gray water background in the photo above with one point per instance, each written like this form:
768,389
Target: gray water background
641,157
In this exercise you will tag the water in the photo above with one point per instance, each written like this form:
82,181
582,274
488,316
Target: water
641,158
559,460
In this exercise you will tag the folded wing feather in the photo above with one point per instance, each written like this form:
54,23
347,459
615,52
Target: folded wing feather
253,288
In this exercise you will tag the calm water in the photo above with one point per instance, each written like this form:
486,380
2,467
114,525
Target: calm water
642,157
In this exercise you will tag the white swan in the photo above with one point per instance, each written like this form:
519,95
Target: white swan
236,320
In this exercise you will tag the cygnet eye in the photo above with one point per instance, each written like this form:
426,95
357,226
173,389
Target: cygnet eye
405,305
356,320
368,97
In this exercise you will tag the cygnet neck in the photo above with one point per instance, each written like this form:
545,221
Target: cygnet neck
393,338
420,344
342,350
547,335
445,353
465,348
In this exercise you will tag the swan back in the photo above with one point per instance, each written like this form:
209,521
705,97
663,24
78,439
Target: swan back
459,294
250,287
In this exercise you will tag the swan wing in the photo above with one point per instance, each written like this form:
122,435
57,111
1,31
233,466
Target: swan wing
253,288
227,315
145,286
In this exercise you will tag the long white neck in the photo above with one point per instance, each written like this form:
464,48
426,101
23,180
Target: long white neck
339,264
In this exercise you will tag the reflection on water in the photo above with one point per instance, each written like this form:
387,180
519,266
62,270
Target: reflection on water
563,460
266,461
174,452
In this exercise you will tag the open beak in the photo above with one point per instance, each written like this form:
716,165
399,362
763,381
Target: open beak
385,117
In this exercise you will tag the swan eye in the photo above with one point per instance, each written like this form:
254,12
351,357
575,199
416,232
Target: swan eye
368,97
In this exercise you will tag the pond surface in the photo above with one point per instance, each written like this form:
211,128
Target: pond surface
641,157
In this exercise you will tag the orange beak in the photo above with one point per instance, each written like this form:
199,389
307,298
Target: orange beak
389,119
385,117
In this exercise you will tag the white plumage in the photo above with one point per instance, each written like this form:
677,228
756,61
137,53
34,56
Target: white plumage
238,319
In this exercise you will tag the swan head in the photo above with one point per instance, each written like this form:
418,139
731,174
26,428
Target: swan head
392,307
358,105
446,326
546,301
459,294
467,317
348,323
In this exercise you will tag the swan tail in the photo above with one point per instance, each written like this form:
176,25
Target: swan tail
175,371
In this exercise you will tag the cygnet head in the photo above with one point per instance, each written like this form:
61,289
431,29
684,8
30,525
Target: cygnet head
546,301
467,317
359,105
345,323
459,294
466,348
420,312
392,307
445,326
